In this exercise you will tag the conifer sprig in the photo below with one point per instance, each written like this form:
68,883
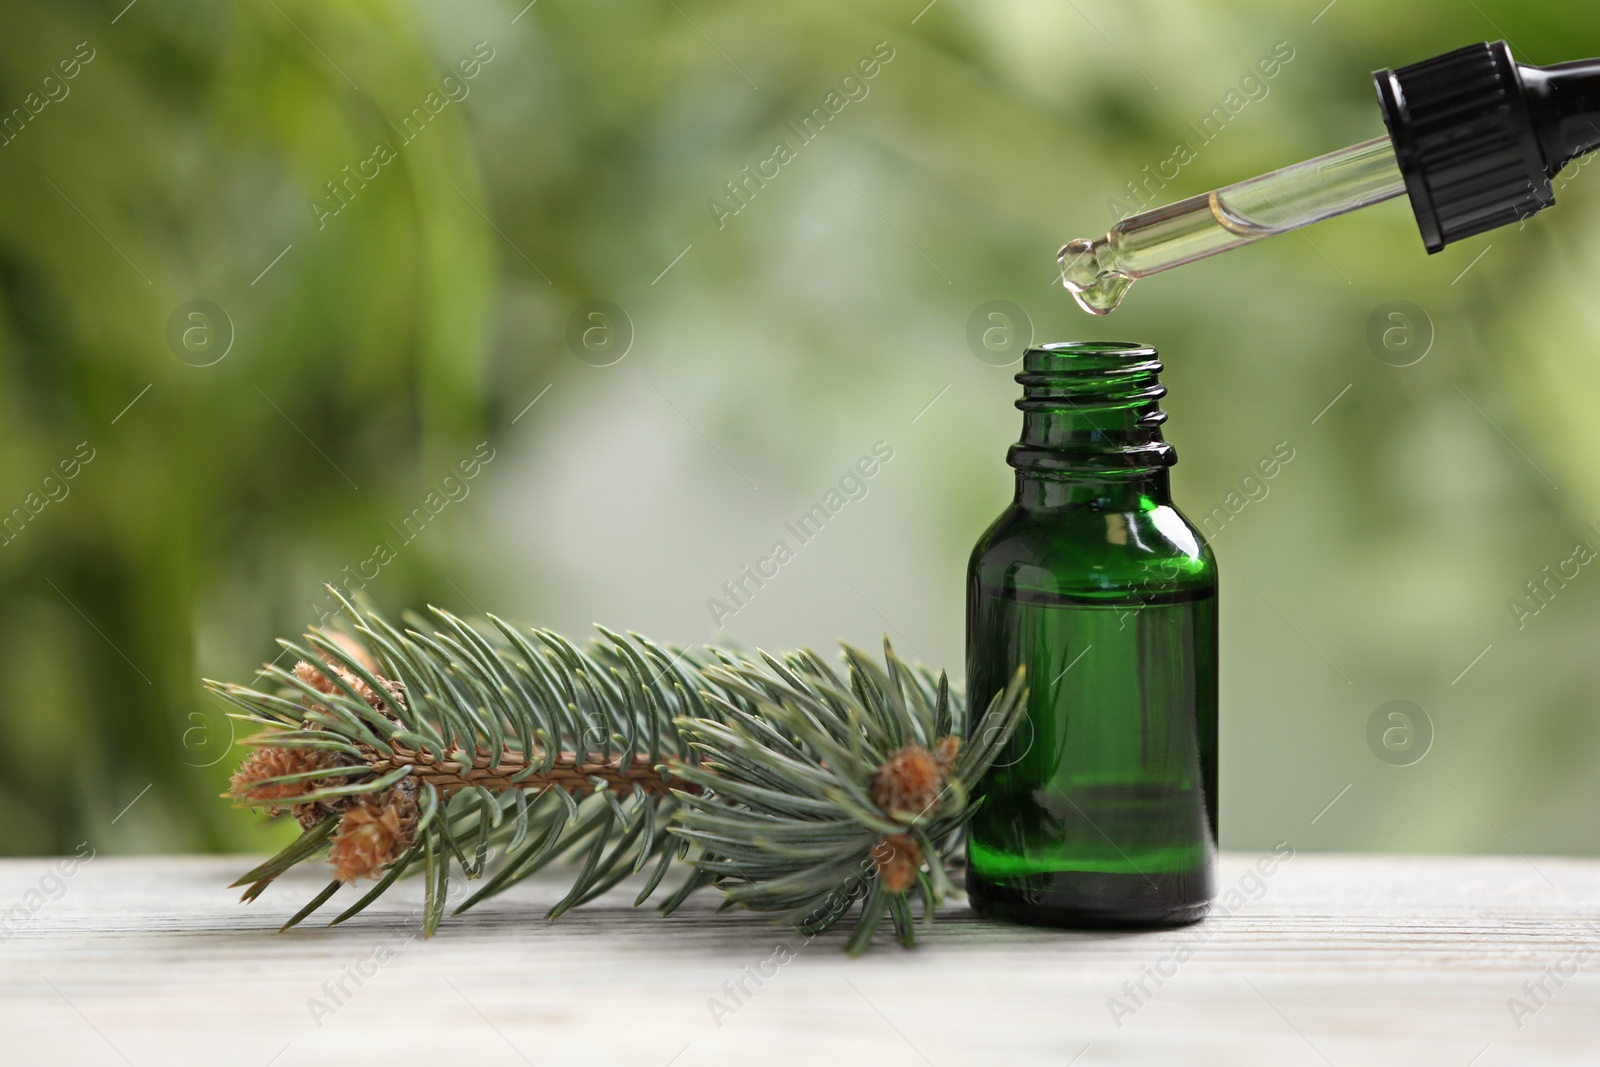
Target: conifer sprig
489,752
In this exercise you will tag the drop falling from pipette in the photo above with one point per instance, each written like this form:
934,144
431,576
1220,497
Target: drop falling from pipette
1098,290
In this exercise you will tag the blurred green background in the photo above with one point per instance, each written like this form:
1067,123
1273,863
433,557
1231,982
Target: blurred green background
347,361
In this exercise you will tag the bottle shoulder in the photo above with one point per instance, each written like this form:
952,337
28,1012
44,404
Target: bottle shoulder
1078,552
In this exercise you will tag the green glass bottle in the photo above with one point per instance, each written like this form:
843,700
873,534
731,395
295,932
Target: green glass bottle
1102,809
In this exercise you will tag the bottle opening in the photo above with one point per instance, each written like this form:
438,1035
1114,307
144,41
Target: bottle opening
1099,366
1095,348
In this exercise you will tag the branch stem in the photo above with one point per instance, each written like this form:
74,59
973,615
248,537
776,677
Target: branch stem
451,775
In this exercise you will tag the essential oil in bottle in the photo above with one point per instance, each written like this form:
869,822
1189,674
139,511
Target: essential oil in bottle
1101,811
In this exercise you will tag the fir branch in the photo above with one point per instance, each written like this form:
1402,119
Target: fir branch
791,785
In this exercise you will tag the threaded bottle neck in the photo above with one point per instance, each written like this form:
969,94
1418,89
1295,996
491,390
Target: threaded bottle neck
1091,428
1091,407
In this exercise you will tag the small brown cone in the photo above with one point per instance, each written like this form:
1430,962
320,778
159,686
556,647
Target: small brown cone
317,677
898,859
909,781
374,832
356,651
309,675
270,762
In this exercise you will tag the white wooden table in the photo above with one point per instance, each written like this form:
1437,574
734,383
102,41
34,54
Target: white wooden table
1346,960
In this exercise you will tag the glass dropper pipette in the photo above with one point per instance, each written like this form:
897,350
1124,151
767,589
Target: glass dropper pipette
1098,272
1474,141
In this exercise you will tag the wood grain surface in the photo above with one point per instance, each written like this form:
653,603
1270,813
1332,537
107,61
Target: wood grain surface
1322,959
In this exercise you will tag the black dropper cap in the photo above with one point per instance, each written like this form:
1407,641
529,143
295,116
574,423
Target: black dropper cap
1479,137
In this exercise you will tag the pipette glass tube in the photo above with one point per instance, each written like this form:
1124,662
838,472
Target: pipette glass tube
1098,272
1475,140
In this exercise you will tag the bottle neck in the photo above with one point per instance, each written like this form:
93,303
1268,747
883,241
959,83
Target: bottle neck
1117,492
1091,429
